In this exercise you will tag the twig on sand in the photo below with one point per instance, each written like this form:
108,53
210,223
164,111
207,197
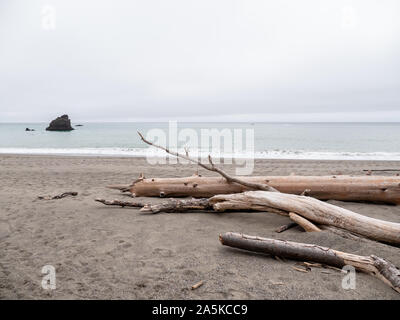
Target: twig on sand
300,269
197,285
59,196
120,203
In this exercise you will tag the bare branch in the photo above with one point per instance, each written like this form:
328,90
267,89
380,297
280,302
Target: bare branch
121,203
59,196
212,167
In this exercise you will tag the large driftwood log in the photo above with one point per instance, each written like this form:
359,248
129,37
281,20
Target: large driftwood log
316,211
380,268
345,188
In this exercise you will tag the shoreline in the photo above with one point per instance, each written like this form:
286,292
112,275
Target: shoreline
356,157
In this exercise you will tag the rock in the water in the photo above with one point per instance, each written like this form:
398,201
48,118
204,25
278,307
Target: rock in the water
62,123
27,129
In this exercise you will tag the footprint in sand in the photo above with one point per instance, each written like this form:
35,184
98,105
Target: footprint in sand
126,245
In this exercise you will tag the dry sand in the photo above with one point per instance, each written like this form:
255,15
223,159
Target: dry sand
104,252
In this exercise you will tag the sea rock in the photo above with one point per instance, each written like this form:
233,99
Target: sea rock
62,123
27,129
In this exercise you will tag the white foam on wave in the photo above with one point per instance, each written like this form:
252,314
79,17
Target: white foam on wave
152,152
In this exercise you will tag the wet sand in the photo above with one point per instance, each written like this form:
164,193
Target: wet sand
104,252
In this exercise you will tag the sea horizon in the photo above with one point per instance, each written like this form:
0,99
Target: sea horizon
272,140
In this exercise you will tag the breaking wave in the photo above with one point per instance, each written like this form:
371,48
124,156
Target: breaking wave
151,152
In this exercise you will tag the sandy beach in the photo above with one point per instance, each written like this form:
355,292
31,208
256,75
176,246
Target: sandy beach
104,252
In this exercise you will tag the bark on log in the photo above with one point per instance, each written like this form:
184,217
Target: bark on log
344,188
316,211
382,269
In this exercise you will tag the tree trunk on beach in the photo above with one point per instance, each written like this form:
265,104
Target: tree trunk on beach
378,267
345,188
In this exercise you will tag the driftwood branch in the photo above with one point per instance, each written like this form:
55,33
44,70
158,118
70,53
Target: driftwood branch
121,203
304,223
212,167
59,196
380,268
171,205
343,233
174,205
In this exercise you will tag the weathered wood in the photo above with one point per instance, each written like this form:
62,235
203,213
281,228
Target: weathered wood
378,267
174,205
343,233
318,212
344,188
304,223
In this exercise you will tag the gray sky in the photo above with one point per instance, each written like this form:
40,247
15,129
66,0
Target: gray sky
252,60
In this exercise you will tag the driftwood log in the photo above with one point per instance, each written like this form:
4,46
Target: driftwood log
345,188
317,212
378,267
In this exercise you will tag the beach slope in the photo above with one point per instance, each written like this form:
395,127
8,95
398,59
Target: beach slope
102,252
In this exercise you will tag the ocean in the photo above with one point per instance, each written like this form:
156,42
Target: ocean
333,141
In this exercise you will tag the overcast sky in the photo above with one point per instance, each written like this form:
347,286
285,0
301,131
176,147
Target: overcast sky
251,60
